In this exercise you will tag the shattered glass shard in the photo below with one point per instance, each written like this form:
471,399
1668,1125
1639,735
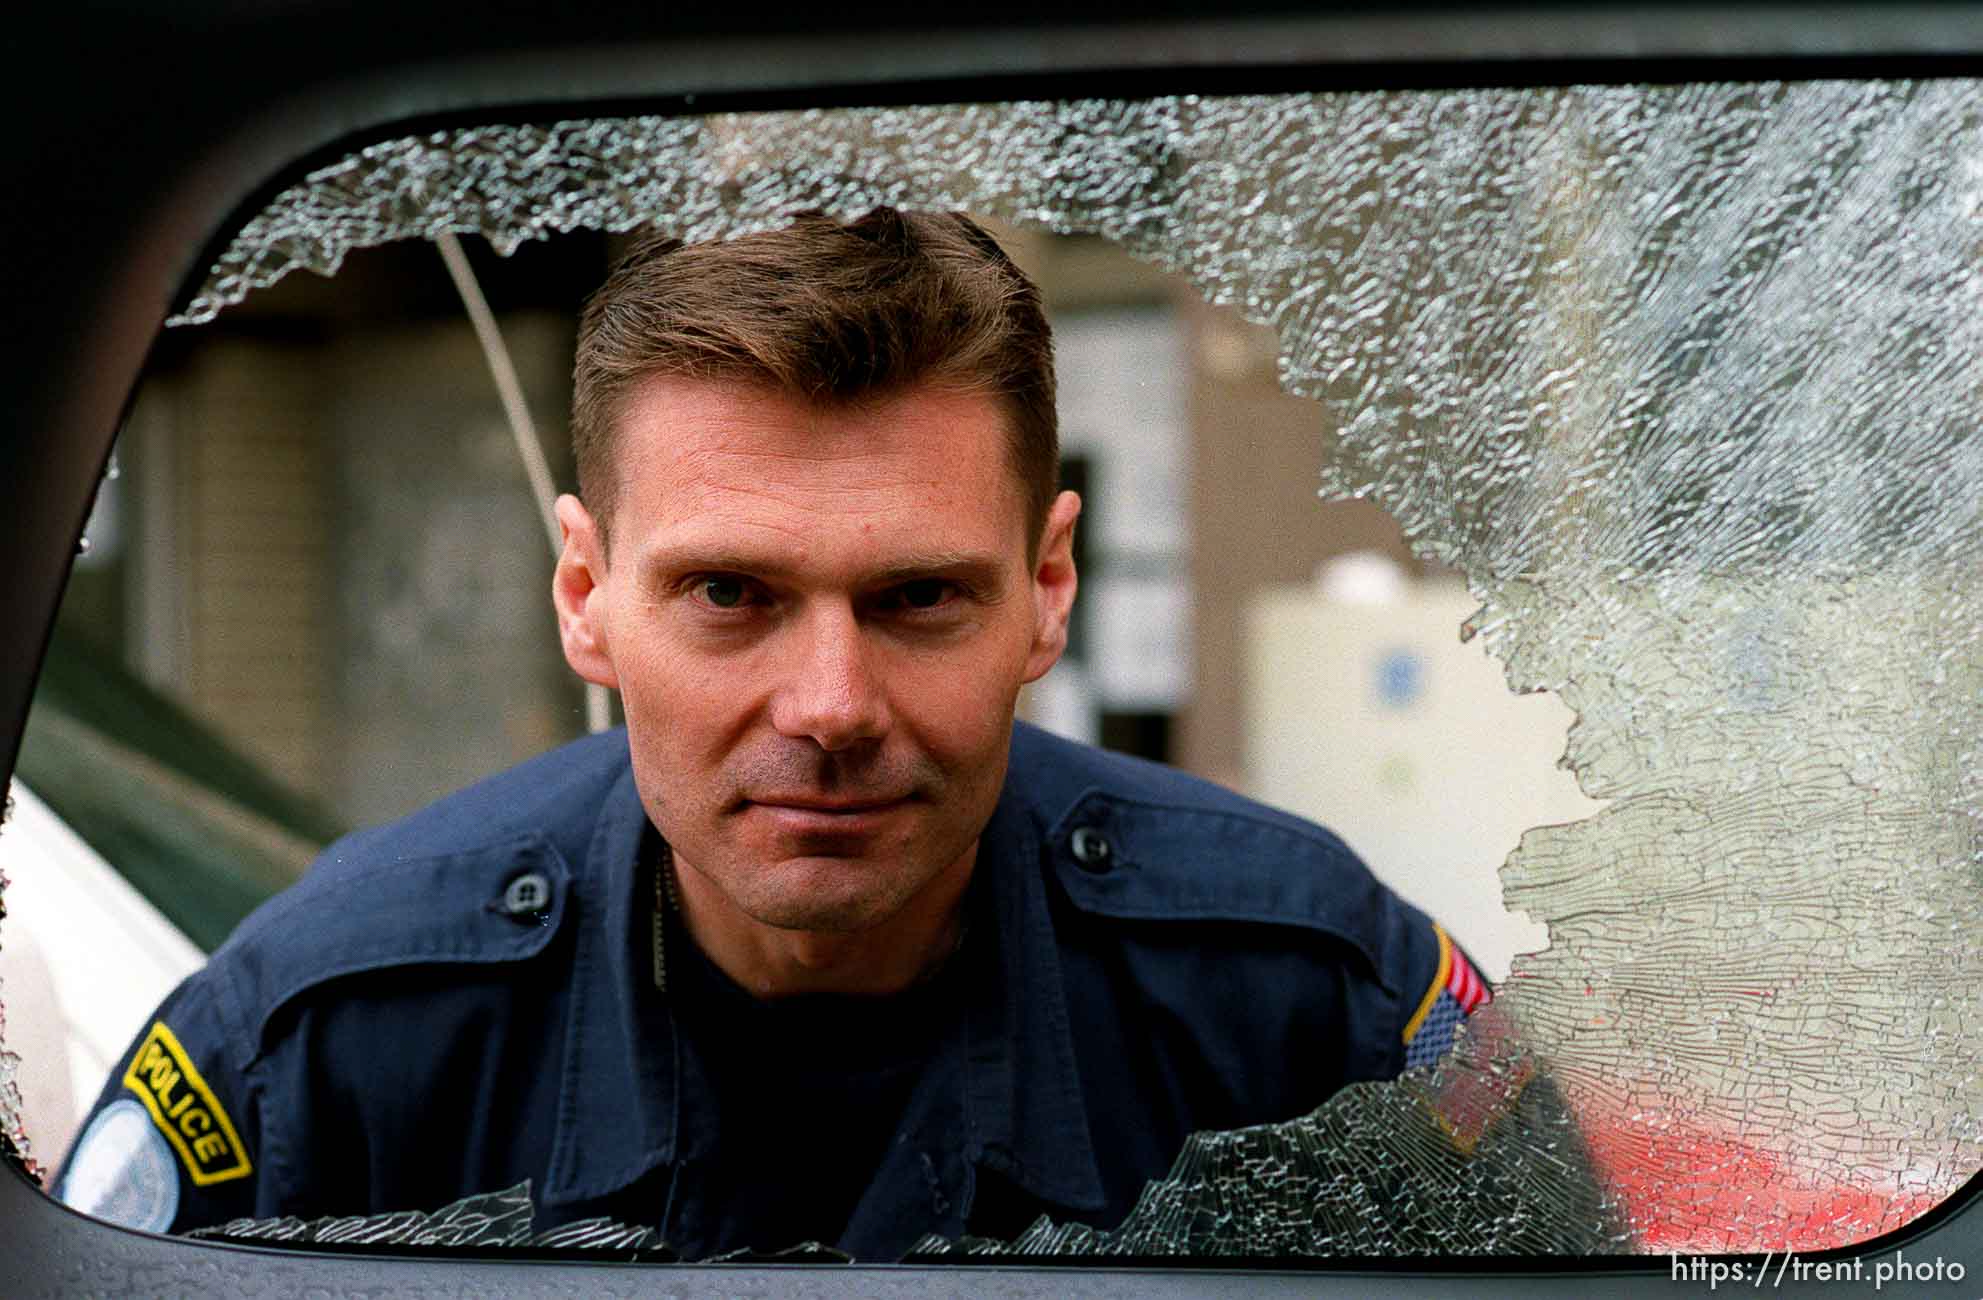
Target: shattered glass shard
600,1234
493,1220
1480,1157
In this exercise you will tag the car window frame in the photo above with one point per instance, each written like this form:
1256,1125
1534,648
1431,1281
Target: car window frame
144,199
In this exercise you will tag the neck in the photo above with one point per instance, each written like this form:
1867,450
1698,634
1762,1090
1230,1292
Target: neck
894,954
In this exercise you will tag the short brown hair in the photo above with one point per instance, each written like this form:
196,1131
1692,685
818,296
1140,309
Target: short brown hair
830,311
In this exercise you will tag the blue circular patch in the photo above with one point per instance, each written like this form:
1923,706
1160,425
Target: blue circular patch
122,1171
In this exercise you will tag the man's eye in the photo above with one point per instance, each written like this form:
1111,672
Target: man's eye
724,593
924,593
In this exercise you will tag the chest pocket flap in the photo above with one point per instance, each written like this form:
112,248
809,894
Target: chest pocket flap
1160,862
494,904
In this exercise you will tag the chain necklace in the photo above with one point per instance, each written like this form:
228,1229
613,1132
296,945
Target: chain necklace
665,902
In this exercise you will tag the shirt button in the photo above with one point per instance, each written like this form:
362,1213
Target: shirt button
1091,848
527,895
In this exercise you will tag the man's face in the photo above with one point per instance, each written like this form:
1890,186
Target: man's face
818,619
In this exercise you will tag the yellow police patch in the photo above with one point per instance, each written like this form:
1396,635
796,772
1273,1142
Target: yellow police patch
185,1110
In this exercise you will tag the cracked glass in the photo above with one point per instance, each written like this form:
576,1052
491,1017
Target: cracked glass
1682,382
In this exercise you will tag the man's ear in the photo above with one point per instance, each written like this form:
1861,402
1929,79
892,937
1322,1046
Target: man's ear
577,589
1054,581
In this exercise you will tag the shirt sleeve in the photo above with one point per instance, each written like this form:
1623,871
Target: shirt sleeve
1456,990
170,1143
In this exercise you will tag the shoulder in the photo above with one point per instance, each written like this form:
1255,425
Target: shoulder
1139,841
483,876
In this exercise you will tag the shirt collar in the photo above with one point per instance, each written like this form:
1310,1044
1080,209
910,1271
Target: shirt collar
620,1056
1023,1106
1025,1114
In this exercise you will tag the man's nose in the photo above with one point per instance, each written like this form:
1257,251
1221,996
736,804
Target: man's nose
831,693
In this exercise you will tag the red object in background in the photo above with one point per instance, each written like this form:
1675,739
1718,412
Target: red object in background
1692,1190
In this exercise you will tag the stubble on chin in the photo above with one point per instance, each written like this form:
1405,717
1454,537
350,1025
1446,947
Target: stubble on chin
822,895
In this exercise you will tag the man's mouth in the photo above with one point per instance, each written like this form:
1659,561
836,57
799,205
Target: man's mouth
839,807
810,818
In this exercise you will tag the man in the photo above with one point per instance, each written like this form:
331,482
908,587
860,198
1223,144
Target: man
820,947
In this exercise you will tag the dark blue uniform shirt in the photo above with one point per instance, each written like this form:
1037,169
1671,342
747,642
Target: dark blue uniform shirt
465,999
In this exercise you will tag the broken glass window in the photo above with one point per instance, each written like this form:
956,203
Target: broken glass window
1683,380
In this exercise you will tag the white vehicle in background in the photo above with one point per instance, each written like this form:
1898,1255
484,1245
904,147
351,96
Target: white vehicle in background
84,958
139,838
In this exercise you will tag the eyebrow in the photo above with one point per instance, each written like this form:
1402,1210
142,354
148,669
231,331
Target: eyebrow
983,569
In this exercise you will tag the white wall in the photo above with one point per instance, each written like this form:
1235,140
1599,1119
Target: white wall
1376,720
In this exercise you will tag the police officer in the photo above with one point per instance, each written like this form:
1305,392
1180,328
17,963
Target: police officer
821,946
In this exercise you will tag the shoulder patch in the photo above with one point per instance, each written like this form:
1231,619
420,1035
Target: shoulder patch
185,1109
121,1171
1456,991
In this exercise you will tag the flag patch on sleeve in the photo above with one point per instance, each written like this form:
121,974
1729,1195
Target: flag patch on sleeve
185,1109
1456,991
